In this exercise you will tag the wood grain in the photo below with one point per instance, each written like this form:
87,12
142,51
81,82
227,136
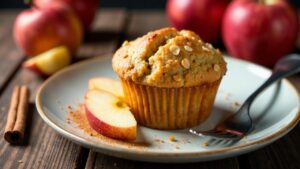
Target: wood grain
282,154
108,162
112,163
11,57
105,34
141,22
44,148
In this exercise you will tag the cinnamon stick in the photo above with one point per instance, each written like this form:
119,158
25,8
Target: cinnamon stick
17,115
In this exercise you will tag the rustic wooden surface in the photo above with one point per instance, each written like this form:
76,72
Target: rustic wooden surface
45,148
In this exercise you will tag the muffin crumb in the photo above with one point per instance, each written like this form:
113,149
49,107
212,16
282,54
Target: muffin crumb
185,63
205,144
226,96
159,140
235,104
172,138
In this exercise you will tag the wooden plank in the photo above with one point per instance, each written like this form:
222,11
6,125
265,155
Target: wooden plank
283,154
11,57
102,38
295,81
44,148
140,22
112,162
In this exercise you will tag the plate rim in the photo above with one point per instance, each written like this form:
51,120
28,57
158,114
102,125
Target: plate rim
259,142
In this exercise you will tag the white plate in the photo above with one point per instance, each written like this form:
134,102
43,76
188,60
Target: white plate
272,122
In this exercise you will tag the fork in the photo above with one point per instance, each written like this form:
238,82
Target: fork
239,124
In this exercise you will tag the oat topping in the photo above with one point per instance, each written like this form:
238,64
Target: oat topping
177,78
209,45
205,48
175,49
216,67
185,63
188,48
125,43
165,56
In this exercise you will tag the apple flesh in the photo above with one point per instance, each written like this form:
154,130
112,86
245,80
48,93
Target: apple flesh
49,62
38,30
107,84
84,9
260,32
201,16
109,116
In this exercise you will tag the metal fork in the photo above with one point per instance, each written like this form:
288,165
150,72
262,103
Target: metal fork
239,124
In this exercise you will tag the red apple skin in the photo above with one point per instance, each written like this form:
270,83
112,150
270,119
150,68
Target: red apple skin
258,32
33,67
38,30
108,130
84,9
201,16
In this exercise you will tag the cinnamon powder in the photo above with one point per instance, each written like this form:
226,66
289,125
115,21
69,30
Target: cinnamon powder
77,116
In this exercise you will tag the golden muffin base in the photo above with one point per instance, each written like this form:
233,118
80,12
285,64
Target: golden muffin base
170,108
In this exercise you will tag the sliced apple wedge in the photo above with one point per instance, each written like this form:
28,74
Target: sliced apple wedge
109,116
50,61
107,84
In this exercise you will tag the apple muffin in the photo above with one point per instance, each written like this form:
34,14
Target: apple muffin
170,78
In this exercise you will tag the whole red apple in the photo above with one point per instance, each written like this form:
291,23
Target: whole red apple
37,30
260,31
84,9
201,16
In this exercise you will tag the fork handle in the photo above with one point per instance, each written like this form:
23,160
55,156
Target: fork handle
284,68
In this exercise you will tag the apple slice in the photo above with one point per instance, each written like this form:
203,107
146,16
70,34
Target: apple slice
107,84
109,116
50,61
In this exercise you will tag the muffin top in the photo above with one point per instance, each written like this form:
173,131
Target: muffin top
169,58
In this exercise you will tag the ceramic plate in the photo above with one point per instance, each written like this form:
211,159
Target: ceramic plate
275,113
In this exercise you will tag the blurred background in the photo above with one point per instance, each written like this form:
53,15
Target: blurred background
262,36
129,4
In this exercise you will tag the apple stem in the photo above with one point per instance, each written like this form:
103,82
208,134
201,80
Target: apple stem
30,3
267,2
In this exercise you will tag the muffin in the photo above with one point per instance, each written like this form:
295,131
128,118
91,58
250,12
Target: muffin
170,78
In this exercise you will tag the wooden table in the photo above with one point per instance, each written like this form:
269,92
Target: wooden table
46,149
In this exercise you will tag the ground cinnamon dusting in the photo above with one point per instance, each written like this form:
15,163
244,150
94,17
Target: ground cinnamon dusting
78,117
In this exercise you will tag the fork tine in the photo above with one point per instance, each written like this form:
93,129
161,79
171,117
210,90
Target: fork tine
216,134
